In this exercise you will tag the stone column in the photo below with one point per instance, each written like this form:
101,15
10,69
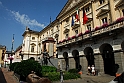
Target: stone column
112,12
84,64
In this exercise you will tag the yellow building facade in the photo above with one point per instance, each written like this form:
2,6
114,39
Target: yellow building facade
2,54
85,33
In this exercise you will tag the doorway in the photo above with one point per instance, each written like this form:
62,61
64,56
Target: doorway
65,55
75,54
108,59
89,56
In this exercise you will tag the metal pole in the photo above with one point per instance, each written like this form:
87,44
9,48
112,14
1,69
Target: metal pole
12,45
12,50
61,76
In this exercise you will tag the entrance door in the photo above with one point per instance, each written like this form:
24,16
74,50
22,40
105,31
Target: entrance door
75,54
65,54
77,62
109,63
90,59
89,56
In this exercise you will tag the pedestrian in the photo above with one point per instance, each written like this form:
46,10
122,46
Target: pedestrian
89,70
93,70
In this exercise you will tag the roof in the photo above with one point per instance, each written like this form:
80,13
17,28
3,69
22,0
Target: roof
18,48
2,46
28,30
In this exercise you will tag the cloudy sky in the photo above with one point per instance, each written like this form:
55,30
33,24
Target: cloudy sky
15,15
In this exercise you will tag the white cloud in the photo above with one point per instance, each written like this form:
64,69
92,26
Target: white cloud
25,20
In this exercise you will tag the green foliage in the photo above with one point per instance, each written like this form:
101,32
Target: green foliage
53,76
25,67
68,76
12,66
49,69
73,70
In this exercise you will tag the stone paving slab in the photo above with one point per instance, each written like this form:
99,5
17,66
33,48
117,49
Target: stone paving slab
90,79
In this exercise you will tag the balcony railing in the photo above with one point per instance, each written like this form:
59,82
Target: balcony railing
119,23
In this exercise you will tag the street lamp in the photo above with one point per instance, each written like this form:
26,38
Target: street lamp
11,58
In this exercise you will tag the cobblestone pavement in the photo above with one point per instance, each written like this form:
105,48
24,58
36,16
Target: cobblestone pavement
10,78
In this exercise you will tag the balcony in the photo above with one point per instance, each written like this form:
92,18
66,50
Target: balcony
76,25
105,28
48,39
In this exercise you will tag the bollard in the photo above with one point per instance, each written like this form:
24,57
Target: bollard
96,72
61,76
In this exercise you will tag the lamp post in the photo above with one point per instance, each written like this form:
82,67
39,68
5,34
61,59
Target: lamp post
11,58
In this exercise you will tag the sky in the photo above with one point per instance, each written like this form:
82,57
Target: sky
15,15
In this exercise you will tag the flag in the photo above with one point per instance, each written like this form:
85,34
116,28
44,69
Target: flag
72,24
77,16
85,19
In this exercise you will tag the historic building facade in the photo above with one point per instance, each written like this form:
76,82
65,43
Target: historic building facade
85,32
35,43
91,33
2,54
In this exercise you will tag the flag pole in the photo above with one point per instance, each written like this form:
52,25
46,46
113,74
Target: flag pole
92,11
50,19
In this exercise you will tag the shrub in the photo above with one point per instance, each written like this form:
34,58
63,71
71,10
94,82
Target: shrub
54,76
69,75
12,66
25,67
73,70
49,69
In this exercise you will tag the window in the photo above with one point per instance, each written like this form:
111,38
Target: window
51,31
104,20
3,51
57,27
123,12
32,48
33,38
89,27
66,23
66,36
67,20
87,9
76,32
101,1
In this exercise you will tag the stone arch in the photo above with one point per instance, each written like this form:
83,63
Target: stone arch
122,45
88,51
65,55
75,54
106,51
